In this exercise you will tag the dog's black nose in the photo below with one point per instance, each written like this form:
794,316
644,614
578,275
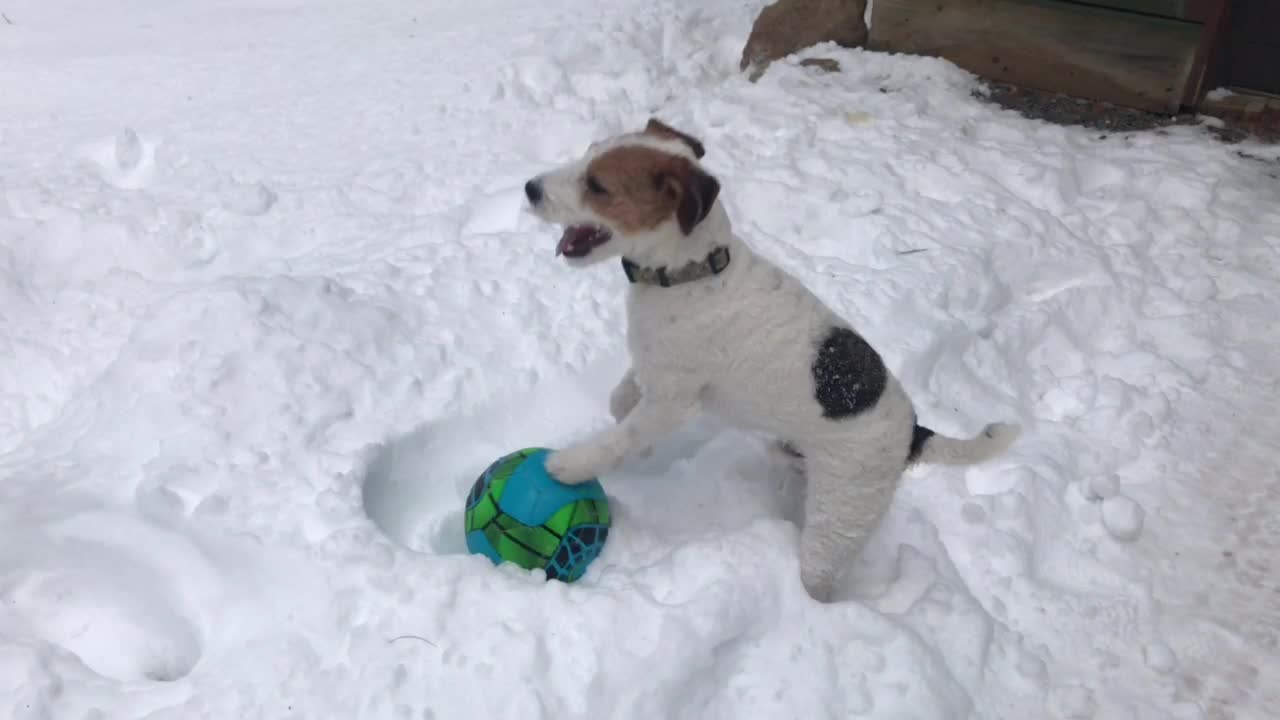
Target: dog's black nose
533,190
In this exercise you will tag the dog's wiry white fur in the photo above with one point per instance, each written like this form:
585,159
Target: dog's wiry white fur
741,345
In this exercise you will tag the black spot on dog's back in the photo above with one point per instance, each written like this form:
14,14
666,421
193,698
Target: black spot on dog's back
848,374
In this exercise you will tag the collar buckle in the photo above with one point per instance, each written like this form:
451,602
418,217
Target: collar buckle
718,259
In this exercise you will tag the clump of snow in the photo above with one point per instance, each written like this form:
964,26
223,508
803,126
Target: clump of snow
249,199
1122,517
269,301
1102,487
1072,703
1160,658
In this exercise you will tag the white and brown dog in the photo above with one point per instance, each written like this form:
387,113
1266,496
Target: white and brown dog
714,327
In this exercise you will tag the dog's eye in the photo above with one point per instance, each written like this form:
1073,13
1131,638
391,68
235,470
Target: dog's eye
594,187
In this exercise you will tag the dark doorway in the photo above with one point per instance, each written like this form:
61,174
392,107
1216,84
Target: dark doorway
1251,46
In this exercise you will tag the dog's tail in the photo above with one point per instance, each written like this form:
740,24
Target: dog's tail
930,447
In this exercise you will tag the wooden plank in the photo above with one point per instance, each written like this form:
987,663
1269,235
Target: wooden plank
1133,60
1212,14
1162,8
1204,11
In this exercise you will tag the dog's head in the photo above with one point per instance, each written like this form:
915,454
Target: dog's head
627,195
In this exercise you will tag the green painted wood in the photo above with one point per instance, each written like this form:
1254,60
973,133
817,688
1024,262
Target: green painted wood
1161,8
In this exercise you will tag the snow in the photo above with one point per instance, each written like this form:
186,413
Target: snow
269,302
1122,517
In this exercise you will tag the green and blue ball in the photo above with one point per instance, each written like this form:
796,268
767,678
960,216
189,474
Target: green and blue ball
516,512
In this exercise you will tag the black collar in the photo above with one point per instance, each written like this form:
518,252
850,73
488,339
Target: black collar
713,264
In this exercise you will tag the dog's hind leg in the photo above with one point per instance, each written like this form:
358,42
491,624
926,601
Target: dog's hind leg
785,456
844,502
784,448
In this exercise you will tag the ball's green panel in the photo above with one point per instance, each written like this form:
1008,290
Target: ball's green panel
512,551
487,494
587,511
498,485
559,523
484,511
590,512
535,538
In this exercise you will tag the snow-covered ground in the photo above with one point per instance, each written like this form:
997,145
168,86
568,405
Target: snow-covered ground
269,301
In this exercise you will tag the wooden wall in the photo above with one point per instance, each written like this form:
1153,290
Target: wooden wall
1124,57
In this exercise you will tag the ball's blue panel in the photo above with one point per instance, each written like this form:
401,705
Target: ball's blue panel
578,549
532,496
478,544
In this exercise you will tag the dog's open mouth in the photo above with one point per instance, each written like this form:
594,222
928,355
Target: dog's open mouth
579,240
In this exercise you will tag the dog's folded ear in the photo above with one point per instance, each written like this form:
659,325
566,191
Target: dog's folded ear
699,195
695,192
663,130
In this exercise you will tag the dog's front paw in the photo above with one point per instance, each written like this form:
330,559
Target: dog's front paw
576,465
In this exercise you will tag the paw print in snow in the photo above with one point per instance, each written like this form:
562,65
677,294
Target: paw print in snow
125,161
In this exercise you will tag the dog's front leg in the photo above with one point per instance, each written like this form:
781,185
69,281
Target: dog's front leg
624,397
655,415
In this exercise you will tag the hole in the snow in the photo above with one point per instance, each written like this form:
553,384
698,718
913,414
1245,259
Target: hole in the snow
701,475
119,630
415,486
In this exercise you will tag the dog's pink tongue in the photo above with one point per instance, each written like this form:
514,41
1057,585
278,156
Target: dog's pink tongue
570,237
